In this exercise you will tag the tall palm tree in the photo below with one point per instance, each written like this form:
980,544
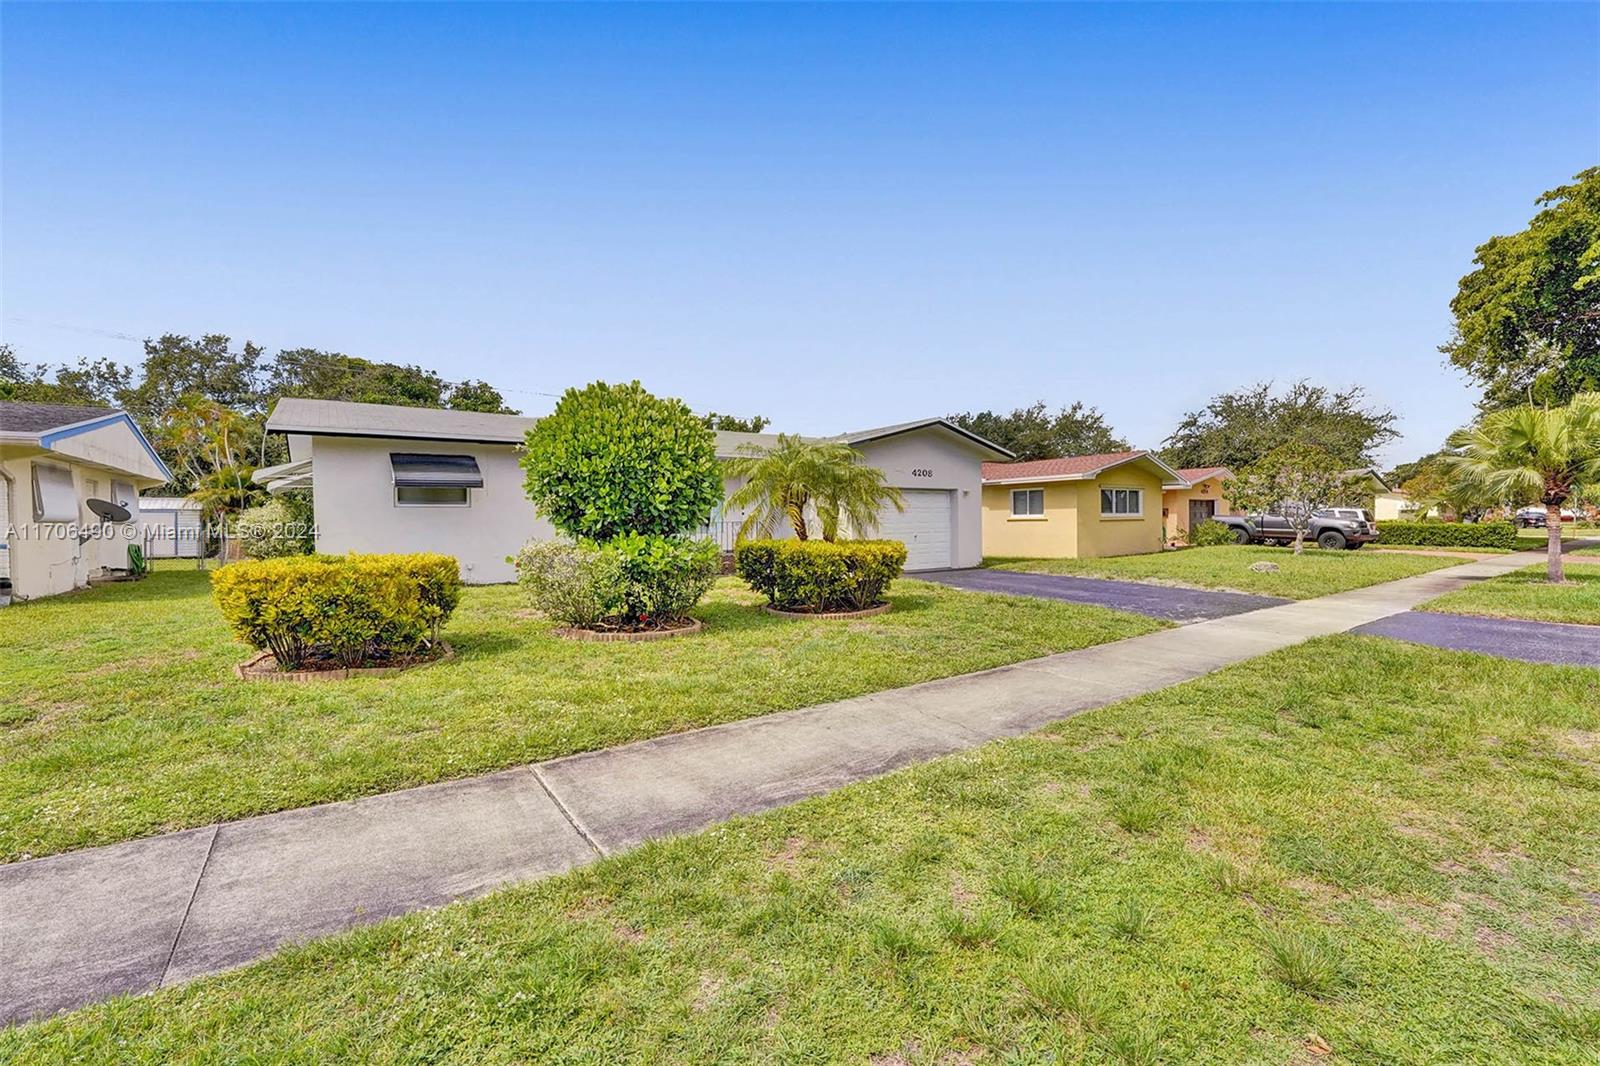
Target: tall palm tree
1548,453
786,480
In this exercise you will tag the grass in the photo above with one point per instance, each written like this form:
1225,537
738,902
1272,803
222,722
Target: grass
1425,887
1527,594
122,717
1437,548
1314,573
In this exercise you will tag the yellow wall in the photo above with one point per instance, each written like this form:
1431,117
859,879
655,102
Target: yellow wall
1072,526
1176,503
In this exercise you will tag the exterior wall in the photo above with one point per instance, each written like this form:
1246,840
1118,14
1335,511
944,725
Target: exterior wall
46,560
1051,536
1121,535
1176,504
353,497
937,459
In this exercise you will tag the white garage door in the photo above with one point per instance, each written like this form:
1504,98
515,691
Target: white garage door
924,528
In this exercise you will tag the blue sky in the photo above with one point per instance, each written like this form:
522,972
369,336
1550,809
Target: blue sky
834,216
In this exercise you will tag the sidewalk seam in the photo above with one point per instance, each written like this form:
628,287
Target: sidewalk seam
566,812
211,846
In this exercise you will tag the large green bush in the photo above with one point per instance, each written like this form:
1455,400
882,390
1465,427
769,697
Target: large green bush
613,459
352,609
1209,534
811,575
630,582
273,530
1449,534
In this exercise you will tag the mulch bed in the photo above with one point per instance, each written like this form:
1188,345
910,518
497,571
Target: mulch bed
680,629
263,667
868,612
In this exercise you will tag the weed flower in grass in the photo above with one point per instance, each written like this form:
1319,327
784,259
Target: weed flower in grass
1304,962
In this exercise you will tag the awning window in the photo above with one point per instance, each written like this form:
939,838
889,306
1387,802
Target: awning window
54,498
435,471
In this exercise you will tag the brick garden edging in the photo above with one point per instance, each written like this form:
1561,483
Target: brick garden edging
868,613
243,670
606,636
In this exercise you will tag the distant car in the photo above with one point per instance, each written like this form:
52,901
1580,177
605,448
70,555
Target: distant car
1331,527
1537,518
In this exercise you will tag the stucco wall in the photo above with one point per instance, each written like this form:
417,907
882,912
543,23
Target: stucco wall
937,459
353,496
1176,503
1052,536
1102,535
47,560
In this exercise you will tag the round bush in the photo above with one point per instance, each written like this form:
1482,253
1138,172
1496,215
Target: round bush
273,530
630,582
574,583
613,459
820,576
1210,534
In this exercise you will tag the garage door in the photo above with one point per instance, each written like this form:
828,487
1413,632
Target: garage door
924,528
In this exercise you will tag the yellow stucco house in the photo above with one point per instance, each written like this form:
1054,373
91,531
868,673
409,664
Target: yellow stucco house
1199,498
1078,507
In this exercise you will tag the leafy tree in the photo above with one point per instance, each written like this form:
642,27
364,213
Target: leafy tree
784,481
1238,428
95,382
735,424
1527,320
1035,433
1433,486
477,396
1547,453
318,375
176,366
613,459
209,448
1294,480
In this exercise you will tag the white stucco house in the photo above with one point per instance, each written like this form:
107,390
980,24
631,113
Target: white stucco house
54,459
397,479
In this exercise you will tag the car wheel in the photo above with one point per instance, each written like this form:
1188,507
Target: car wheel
1241,536
1330,540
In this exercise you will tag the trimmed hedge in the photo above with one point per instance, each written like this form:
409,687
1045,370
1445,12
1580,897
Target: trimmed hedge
1209,534
815,575
353,608
1449,534
630,582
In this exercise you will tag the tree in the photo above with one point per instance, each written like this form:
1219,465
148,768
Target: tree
1527,320
88,383
735,424
783,481
208,447
613,459
1294,480
318,375
176,366
1547,453
1238,428
1035,433
1433,486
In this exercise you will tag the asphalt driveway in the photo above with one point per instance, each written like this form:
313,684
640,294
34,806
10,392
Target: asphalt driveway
1157,601
1508,638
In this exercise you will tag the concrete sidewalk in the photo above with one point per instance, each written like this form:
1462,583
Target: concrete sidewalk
88,925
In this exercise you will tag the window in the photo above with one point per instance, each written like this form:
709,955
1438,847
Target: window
431,496
53,497
1121,503
1027,503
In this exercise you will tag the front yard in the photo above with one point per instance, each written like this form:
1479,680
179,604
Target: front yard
121,716
1350,851
1526,594
1314,573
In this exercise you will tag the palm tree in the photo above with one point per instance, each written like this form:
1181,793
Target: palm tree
785,480
1541,452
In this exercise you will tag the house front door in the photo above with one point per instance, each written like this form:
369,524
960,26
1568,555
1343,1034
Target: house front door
1200,511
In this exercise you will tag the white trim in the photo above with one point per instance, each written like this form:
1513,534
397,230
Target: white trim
1027,510
466,492
1114,514
1177,481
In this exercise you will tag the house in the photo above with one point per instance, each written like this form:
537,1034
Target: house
1200,498
1078,507
54,459
396,479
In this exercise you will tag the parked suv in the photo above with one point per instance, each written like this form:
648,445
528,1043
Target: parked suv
1331,527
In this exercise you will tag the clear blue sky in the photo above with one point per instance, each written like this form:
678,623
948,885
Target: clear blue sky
834,216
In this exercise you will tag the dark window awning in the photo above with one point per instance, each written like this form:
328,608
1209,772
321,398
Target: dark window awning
412,470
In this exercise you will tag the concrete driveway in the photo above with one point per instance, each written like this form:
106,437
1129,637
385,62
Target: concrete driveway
1508,638
1157,601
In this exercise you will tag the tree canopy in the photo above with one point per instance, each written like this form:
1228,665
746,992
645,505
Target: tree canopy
1294,480
735,424
1037,433
1527,320
1238,428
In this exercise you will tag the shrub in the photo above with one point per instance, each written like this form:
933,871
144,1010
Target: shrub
1209,534
613,459
629,582
351,609
814,575
273,530
1449,534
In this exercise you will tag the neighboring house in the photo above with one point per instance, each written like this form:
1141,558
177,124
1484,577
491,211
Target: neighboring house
1394,506
1078,507
1198,499
170,527
395,479
54,458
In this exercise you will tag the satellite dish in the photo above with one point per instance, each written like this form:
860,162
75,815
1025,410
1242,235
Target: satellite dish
107,511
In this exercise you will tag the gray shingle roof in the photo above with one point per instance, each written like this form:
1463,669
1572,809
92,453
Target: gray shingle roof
338,418
22,417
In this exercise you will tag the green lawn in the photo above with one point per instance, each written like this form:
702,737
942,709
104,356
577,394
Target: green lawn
1315,573
1359,845
122,717
1526,594
1438,548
